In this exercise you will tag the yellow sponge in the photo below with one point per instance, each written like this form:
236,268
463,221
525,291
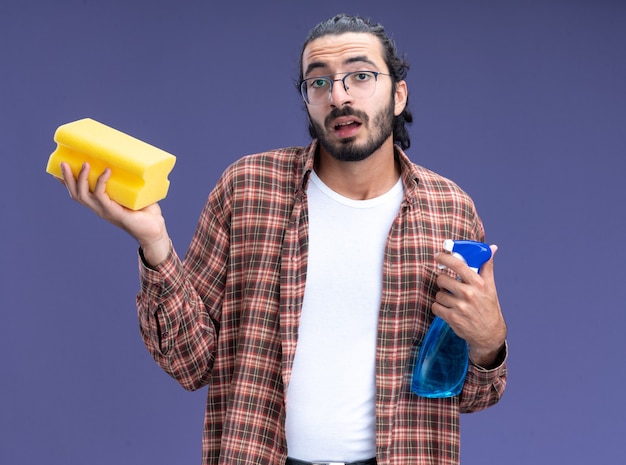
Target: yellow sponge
138,170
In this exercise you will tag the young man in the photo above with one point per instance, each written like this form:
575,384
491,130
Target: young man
313,276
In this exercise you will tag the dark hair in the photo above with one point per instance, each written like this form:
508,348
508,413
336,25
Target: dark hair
398,66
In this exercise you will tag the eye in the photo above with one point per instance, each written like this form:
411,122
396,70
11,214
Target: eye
318,83
362,76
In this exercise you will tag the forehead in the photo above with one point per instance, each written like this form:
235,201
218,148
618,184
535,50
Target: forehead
331,52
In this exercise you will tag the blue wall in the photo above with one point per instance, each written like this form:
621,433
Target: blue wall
523,103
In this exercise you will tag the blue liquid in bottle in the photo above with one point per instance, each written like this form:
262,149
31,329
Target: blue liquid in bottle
443,359
442,363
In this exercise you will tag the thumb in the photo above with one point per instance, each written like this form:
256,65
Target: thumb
487,269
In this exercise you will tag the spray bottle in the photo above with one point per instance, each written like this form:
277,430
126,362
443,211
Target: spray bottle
444,357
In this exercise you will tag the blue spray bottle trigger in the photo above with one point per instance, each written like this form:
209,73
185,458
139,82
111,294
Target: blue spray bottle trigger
443,359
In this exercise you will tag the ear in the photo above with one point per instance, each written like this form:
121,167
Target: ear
401,95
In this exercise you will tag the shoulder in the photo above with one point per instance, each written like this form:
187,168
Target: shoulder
443,193
254,182
283,165
270,176
435,183
442,204
426,184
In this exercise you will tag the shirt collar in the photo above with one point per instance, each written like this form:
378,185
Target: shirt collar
409,175
309,163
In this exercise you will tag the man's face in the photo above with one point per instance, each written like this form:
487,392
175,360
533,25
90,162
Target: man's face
351,129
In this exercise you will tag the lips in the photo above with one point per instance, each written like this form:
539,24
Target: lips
346,126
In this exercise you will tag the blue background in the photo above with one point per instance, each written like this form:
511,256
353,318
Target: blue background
523,103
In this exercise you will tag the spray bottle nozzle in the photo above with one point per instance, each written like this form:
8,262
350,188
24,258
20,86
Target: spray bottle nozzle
475,254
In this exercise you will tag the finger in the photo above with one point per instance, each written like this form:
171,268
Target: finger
101,183
456,265
68,179
445,298
451,315
445,260
455,294
82,182
486,270
447,282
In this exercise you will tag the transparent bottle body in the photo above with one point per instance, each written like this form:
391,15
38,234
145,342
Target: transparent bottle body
441,364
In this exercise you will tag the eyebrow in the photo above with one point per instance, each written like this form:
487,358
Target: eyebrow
321,64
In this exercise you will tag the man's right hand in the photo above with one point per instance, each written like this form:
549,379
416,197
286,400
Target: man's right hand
147,225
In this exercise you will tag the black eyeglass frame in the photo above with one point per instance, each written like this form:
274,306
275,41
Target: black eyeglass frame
329,78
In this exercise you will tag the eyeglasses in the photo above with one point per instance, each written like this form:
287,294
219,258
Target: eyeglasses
358,84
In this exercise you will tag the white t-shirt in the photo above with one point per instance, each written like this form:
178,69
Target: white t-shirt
331,395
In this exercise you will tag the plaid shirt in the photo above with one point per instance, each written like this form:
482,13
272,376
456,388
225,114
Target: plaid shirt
227,315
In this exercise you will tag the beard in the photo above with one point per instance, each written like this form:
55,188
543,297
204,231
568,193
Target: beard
347,149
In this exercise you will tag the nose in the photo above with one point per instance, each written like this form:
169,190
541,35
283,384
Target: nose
338,94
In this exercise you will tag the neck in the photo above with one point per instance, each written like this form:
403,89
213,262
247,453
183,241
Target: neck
363,179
